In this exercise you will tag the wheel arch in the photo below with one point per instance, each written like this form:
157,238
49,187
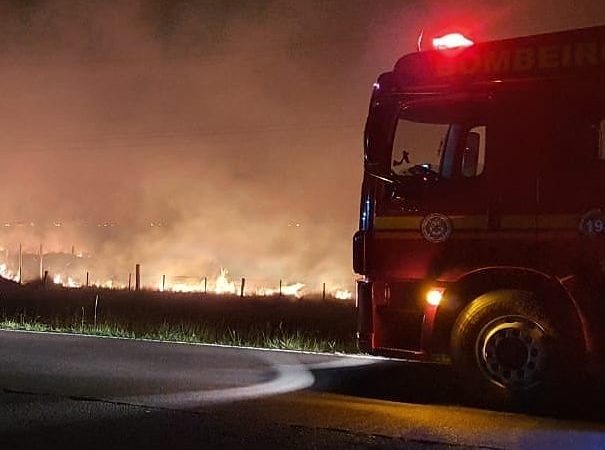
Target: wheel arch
549,292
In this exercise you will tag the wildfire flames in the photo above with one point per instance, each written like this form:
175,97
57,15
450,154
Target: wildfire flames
342,294
70,283
220,285
7,274
223,285
290,290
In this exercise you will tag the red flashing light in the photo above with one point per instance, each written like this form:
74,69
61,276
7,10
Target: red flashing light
452,40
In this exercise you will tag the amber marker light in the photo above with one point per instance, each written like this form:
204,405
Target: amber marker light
434,297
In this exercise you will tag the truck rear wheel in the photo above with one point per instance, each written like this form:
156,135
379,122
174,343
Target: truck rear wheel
508,349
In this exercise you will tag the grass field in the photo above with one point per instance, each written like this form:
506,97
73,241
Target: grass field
271,322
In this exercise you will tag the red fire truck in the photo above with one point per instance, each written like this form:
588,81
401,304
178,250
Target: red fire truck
482,232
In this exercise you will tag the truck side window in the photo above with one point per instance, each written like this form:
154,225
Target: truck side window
473,156
602,140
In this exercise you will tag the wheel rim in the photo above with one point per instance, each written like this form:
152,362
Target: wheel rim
511,352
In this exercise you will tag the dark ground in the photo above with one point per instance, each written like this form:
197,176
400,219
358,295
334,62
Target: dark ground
78,392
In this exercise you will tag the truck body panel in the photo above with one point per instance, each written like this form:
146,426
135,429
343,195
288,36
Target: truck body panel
527,212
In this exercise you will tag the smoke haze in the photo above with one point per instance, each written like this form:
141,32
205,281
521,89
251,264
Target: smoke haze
189,136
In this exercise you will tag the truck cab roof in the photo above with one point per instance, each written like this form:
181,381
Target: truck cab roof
575,54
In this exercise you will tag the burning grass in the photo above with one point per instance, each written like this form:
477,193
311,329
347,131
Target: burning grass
270,321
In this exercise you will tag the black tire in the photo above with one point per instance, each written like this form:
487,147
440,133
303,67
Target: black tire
509,351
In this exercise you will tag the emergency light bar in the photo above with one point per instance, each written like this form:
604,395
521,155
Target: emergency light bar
452,40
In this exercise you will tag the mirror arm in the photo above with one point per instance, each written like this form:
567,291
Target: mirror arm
370,172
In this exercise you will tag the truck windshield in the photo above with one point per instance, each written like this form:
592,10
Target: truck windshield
447,150
418,146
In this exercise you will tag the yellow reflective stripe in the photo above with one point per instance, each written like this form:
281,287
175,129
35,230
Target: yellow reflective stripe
414,222
518,221
398,222
481,222
469,222
558,221
540,222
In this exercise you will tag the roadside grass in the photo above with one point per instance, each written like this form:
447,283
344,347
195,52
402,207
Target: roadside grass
263,322
273,339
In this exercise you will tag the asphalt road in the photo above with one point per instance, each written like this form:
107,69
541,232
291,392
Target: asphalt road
60,391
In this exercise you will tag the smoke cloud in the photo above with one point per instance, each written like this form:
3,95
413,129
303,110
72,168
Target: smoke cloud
189,136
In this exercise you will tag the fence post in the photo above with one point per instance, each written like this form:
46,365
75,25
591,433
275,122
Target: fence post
323,295
280,285
45,278
129,280
205,285
41,258
163,283
20,264
241,293
137,277
96,305
87,278
82,323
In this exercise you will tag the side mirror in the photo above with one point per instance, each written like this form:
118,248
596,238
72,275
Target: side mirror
470,157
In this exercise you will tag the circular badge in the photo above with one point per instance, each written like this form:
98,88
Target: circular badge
436,228
593,223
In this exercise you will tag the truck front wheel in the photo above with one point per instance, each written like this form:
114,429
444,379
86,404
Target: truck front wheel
507,348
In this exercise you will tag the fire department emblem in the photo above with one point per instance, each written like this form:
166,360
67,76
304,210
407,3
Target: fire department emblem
436,228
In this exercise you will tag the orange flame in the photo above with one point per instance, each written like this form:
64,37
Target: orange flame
222,285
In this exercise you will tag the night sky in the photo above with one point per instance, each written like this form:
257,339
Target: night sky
234,127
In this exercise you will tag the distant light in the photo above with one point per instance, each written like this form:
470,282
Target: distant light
376,86
452,40
434,297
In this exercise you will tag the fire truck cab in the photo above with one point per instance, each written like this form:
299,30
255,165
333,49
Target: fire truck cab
482,232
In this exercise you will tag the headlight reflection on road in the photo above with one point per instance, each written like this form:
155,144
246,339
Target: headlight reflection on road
289,375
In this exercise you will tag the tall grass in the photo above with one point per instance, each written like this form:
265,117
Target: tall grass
270,322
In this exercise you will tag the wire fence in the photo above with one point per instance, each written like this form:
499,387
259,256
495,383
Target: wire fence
31,269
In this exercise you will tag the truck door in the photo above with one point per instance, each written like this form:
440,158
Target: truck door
571,220
515,125
468,195
439,198
572,184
